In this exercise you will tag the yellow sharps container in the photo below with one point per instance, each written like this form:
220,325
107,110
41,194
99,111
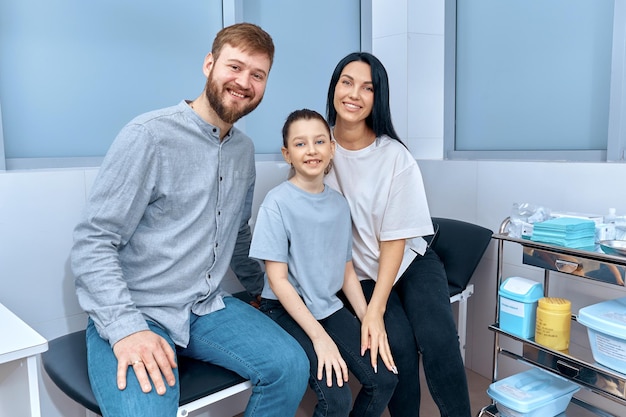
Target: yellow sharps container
554,320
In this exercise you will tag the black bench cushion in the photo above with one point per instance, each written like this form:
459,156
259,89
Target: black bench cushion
65,362
460,246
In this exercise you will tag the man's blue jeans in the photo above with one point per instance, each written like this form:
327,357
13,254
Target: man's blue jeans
238,337
419,320
345,330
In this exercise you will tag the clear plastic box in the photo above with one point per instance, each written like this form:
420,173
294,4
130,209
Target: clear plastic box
534,393
606,328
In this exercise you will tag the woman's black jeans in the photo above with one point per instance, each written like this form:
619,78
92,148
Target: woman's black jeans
419,319
345,330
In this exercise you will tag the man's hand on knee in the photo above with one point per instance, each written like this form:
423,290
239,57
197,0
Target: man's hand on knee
151,358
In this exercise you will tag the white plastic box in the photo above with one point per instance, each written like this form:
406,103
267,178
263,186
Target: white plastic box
518,305
534,393
606,328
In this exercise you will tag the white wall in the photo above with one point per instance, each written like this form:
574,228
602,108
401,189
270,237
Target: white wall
408,37
39,208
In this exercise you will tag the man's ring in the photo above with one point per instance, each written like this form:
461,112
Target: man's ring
136,362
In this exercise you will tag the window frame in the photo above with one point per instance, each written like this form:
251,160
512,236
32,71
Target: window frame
3,165
232,12
616,139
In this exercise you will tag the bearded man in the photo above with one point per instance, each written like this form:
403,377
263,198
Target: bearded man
166,217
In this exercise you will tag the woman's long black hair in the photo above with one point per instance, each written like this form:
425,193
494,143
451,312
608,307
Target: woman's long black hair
379,119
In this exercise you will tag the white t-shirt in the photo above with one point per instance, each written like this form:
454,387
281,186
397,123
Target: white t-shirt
311,233
384,188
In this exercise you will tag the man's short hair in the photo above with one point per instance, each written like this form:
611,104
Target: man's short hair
246,36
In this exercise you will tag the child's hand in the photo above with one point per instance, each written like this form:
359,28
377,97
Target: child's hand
329,360
256,302
374,337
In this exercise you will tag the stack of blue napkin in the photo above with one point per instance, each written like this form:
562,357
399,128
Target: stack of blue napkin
566,231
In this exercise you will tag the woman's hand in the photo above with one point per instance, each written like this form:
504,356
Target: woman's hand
329,360
373,331
374,338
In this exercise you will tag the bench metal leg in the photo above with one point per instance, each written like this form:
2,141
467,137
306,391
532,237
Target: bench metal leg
462,321
184,410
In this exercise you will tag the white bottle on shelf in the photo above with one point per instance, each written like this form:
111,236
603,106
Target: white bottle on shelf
611,216
609,221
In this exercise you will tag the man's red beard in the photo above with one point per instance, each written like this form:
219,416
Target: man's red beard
228,114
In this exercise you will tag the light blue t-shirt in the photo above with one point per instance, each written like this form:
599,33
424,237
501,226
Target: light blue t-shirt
312,233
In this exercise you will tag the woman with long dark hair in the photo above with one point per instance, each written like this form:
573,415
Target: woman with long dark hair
403,279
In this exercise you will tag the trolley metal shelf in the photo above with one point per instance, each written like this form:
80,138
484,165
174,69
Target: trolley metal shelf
577,363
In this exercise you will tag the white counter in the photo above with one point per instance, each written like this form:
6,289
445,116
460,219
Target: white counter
19,347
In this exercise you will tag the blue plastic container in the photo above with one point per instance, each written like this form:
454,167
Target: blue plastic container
534,393
606,328
518,305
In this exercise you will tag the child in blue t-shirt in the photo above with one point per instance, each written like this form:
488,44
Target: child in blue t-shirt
304,234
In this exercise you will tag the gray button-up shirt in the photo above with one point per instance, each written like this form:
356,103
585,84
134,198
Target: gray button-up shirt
162,222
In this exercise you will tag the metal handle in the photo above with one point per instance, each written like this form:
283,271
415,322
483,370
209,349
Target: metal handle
565,266
567,369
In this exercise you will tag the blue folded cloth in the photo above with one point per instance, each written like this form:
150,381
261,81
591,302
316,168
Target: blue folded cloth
565,231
